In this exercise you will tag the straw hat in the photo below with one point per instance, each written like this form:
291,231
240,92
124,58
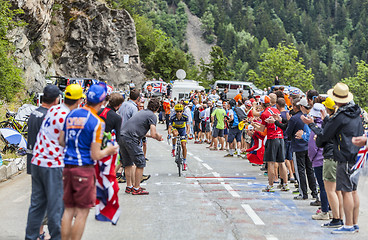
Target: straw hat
340,93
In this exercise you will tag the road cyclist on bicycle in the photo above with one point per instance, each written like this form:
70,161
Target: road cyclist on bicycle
178,126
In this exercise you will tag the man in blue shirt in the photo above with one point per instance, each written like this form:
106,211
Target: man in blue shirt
82,138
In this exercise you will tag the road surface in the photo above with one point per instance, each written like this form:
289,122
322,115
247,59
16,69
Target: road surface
217,198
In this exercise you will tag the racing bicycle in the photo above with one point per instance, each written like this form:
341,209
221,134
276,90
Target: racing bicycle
178,154
20,125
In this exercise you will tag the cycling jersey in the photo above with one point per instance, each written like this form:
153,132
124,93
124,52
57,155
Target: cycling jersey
178,123
82,128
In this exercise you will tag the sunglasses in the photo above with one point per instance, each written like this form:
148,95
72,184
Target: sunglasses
179,111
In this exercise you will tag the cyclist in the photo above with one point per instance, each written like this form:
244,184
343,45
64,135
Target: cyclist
179,126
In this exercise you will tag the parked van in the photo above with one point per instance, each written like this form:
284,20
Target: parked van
235,86
182,88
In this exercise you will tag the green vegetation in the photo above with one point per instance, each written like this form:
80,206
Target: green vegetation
282,62
10,75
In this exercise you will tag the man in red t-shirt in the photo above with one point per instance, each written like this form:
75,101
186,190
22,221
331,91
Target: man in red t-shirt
274,148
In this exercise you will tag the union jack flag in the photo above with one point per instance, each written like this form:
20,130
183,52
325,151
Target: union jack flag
157,87
361,158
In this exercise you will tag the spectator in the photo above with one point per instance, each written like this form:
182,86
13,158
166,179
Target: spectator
213,97
218,116
82,138
345,124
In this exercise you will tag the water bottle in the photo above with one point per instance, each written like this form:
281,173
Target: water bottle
1,160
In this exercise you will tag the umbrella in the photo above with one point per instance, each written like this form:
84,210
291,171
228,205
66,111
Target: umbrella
13,137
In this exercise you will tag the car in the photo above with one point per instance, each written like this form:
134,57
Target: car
235,86
289,90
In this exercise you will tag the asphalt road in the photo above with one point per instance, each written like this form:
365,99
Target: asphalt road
217,198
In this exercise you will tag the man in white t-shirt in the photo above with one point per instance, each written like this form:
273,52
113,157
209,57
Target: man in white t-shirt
47,168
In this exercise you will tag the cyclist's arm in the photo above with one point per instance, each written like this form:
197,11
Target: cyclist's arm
169,130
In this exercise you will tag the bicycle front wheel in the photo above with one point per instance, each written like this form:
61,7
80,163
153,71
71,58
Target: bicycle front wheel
6,124
179,160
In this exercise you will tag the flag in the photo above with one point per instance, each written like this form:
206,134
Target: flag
361,158
107,202
157,87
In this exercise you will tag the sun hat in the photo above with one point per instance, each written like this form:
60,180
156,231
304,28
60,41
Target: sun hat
329,103
265,99
74,92
316,110
96,94
340,93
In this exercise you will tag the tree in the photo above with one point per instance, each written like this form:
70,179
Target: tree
282,62
217,69
358,85
10,75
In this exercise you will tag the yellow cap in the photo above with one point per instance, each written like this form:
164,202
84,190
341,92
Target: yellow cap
241,125
74,92
329,103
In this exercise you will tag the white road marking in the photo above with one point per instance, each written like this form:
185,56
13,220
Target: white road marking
218,176
206,166
198,159
22,198
271,237
230,190
253,215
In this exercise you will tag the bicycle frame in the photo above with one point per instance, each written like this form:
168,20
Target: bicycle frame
11,122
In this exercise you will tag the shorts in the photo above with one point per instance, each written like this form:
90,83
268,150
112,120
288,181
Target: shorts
203,123
329,170
182,133
234,133
343,181
131,153
218,132
274,150
226,131
79,187
196,127
208,127
288,151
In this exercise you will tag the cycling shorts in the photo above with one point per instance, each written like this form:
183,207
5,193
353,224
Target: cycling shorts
182,133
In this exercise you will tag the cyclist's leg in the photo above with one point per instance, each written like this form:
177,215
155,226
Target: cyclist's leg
174,133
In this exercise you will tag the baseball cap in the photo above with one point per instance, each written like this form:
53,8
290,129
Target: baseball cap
303,102
74,92
316,110
96,94
329,103
250,127
248,103
265,99
51,91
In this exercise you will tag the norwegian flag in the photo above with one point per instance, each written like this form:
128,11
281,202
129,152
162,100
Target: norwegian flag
107,202
157,87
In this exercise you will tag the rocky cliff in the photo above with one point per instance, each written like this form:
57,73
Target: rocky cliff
76,38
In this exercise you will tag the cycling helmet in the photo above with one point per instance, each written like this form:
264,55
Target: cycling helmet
179,107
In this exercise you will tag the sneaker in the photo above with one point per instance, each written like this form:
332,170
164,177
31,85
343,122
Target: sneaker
145,178
268,189
285,188
229,155
356,228
279,186
344,230
335,223
128,189
296,192
173,153
195,142
316,203
321,216
121,179
263,169
190,138
140,191
292,180
300,197
185,167
42,236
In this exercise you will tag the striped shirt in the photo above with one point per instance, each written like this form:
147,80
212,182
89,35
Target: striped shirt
82,128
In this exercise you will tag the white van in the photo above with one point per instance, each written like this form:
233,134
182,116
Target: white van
235,86
182,88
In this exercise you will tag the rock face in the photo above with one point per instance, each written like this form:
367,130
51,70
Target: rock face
80,38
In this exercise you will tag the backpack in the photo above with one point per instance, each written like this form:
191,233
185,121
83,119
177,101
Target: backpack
240,113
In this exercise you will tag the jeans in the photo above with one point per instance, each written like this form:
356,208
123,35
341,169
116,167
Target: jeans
47,195
305,166
318,171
